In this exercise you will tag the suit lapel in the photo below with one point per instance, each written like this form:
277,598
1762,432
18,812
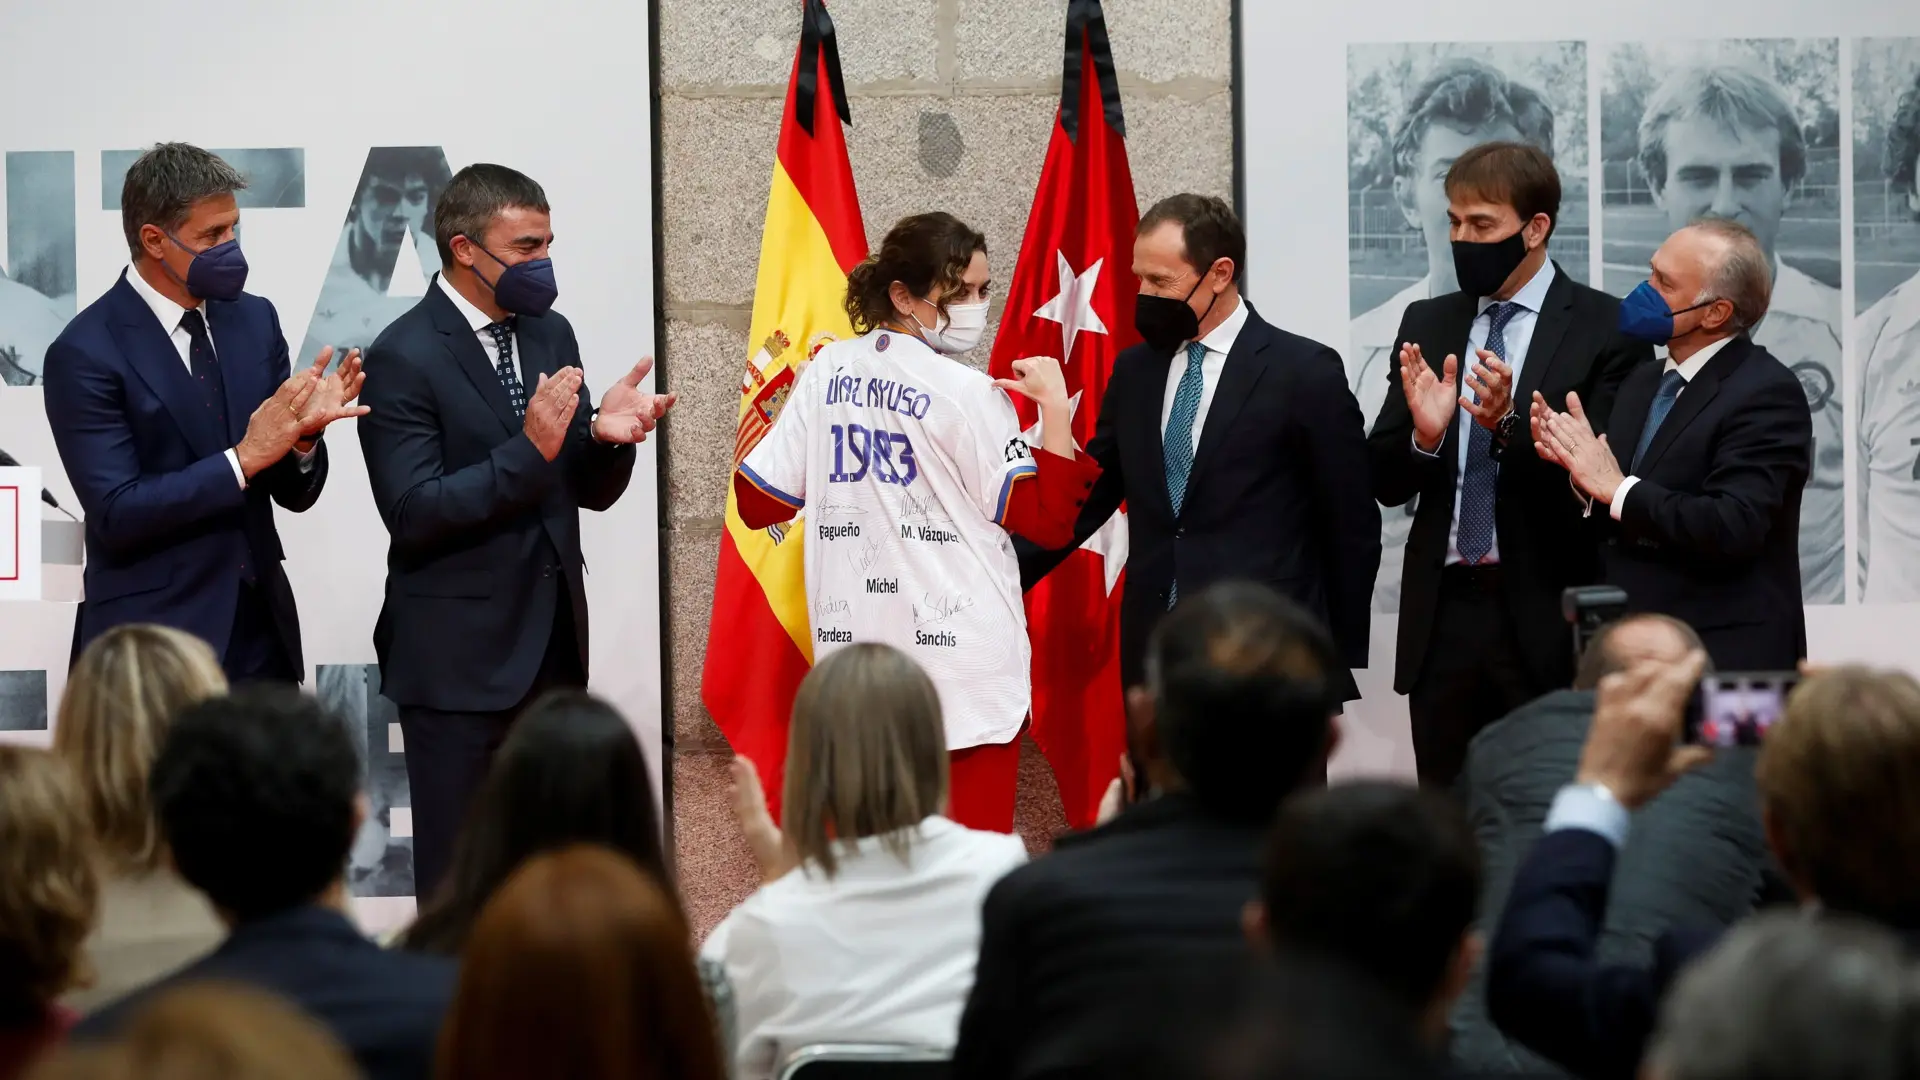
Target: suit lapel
240,371
149,351
1146,419
1699,390
536,357
1630,412
464,344
1556,314
1238,377
1456,326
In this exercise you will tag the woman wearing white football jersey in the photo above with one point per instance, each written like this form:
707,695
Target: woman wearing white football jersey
913,470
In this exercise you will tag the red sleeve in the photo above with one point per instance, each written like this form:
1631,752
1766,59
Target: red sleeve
1045,505
758,509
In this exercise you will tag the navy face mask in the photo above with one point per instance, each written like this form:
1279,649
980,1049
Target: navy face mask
1645,316
524,288
218,273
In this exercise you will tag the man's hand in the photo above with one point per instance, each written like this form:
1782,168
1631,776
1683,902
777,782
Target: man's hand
1587,458
1430,398
1040,381
1120,794
550,410
764,839
1633,746
1492,381
627,413
277,424
334,394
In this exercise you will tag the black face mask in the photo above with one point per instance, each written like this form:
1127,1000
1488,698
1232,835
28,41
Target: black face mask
1483,267
1165,322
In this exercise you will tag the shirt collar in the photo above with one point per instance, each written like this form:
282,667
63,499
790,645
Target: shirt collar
1532,295
1796,293
1698,360
1223,336
474,316
165,310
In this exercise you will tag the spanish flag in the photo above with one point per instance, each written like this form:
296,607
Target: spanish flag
760,645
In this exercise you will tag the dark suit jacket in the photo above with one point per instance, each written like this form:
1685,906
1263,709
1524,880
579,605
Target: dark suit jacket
1544,545
484,533
168,524
384,1007
1277,493
1695,857
1104,918
1710,533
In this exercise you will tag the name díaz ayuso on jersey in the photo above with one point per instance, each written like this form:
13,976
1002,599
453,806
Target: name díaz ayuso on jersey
874,392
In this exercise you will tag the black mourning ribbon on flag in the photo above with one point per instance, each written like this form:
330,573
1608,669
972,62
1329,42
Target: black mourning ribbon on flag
817,40
1087,29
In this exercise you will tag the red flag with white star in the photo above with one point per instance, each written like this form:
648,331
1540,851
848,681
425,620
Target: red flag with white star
1072,297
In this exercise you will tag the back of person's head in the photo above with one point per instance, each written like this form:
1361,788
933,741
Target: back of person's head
580,968
927,254
211,1031
1241,682
49,894
257,794
1839,781
1379,876
1628,640
121,696
1786,997
866,755
570,772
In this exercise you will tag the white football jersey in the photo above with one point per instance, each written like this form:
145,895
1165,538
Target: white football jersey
1889,447
905,462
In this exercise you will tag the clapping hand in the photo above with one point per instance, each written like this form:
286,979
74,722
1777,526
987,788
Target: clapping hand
627,412
1633,748
550,410
333,394
1567,440
1430,398
1492,382
764,839
277,423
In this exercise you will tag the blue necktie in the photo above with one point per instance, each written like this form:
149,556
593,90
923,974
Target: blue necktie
1482,475
1670,386
1178,442
502,333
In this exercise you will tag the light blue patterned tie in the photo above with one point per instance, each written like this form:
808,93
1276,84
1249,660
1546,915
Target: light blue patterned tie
1670,386
1178,443
1482,475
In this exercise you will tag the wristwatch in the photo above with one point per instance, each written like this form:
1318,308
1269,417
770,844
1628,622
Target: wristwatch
1503,430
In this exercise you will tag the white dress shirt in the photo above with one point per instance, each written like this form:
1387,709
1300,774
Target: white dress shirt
170,315
479,321
1687,371
883,951
1218,344
1515,338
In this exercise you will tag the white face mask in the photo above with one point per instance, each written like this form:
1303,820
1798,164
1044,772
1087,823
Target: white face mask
960,331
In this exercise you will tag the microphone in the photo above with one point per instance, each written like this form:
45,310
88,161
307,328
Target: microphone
8,461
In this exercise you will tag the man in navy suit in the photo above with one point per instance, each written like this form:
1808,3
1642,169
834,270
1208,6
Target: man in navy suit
258,798
179,425
482,451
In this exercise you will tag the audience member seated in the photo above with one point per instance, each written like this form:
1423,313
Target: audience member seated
211,1032
1379,877
49,893
121,696
1695,857
579,968
1839,784
258,799
1790,998
570,772
1236,715
868,923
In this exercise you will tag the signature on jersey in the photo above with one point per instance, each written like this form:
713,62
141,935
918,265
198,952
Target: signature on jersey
864,559
914,508
826,607
938,609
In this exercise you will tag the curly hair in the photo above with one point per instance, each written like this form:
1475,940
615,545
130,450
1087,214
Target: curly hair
49,891
1466,94
1903,139
928,253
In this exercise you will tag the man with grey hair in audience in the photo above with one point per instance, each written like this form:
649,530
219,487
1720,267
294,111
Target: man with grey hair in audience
1697,480
1790,998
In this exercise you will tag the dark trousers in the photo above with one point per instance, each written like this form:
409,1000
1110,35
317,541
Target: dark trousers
448,753
1473,675
254,650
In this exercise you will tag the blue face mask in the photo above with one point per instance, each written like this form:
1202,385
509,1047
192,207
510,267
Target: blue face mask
218,273
524,288
1645,316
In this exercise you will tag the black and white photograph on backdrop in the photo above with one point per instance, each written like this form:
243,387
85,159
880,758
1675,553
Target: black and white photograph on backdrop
1747,130
1412,109
23,701
37,277
381,862
1886,294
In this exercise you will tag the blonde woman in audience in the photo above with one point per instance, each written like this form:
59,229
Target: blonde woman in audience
579,968
210,1031
868,924
120,699
49,893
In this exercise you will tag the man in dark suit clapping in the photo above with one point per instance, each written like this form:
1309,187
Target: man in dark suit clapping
482,451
